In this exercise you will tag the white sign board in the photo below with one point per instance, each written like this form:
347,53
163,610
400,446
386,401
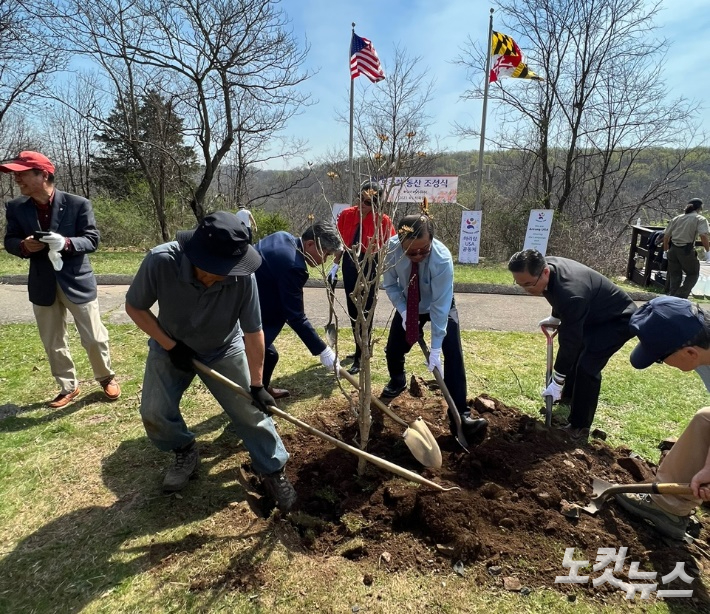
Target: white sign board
338,208
437,189
538,232
470,236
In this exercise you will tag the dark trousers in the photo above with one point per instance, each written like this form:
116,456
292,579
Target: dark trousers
454,370
682,260
271,355
583,384
349,280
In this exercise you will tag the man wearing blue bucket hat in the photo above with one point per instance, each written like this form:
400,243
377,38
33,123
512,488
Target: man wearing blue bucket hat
209,310
676,332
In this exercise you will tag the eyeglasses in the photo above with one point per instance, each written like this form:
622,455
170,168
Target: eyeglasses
530,284
663,358
422,251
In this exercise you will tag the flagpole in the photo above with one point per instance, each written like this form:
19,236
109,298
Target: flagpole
487,77
352,102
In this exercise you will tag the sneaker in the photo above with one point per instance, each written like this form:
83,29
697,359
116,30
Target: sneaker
574,433
279,489
64,398
644,507
187,461
111,388
396,386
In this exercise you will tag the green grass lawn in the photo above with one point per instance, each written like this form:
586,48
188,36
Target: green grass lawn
84,526
120,262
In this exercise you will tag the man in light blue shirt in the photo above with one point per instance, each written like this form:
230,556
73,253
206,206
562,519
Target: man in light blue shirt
414,246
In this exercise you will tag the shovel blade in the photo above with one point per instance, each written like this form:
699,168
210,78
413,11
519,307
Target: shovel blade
421,443
600,493
331,335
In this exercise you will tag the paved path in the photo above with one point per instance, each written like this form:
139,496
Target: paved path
497,312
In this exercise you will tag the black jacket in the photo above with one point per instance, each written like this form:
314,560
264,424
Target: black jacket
582,299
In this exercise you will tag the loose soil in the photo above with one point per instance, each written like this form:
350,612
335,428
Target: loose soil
503,528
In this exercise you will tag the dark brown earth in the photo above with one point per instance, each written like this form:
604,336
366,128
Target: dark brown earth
504,527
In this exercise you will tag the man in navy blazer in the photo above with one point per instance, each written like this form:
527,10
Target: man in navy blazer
55,231
280,279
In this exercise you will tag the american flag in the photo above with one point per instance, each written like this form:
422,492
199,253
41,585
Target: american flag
364,60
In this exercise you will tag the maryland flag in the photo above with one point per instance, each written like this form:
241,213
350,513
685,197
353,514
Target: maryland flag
508,59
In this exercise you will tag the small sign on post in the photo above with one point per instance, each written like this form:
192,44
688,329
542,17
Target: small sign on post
538,232
470,237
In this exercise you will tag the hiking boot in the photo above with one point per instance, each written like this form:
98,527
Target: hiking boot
396,386
574,433
279,489
643,506
187,460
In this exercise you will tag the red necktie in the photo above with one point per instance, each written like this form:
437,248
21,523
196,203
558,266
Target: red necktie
413,305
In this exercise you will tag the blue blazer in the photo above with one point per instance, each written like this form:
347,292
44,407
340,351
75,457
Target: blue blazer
280,279
73,218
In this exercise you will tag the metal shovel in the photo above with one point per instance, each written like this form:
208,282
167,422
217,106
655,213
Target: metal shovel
331,332
375,460
550,333
460,437
603,490
417,436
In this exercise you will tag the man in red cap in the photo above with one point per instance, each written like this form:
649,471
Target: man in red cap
55,231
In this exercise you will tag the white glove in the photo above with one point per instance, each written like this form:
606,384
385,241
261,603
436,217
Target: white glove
550,321
435,360
328,358
554,389
55,241
333,273
404,320
56,259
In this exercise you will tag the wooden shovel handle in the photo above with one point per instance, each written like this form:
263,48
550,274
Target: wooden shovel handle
375,401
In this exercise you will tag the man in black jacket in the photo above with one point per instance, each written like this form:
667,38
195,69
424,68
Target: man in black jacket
280,278
55,231
593,316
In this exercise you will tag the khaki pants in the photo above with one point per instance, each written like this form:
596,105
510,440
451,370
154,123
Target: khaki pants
683,461
52,325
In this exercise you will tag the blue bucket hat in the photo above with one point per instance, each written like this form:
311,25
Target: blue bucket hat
663,326
220,245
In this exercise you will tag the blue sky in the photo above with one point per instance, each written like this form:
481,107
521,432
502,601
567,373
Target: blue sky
437,31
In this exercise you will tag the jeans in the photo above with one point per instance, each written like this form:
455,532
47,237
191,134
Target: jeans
163,387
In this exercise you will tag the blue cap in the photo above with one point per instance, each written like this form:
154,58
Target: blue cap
663,325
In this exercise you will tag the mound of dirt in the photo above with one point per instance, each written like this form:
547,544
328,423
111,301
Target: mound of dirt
504,527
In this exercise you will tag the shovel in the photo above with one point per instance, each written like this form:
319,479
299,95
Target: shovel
550,333
375,460
602,490
417,436
449,401
331,333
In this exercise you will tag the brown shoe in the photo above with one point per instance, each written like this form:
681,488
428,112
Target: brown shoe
111,388
278,393
63,399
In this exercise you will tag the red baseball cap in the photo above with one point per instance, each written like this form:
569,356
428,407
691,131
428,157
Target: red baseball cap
28,160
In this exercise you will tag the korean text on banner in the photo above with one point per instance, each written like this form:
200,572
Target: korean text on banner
470,236
538,232
437,189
